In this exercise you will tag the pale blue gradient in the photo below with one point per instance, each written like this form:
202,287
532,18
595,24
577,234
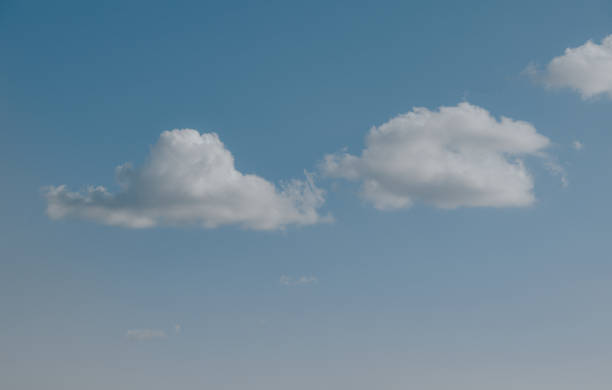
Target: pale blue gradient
423,299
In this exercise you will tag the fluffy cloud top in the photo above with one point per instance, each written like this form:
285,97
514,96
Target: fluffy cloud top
456,156
190,178
586,69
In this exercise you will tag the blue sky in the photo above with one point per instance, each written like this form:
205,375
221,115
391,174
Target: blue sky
417,283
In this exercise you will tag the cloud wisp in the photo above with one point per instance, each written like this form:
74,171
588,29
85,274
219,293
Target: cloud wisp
190,179
586,69
299,281
577,145
455,156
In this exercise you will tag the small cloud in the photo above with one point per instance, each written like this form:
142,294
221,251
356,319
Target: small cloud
299,281
578,145
145,334
586,69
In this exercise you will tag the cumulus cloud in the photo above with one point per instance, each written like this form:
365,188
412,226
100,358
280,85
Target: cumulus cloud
299,281
190,178
586,69
145,334
456,156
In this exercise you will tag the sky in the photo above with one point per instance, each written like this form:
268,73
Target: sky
298,195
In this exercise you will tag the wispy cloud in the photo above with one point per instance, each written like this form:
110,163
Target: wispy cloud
299,281
556,169
577,145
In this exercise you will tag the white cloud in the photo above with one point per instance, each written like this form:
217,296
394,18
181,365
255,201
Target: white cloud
190,178
586,69
456,156
145,334
578,145
300,281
